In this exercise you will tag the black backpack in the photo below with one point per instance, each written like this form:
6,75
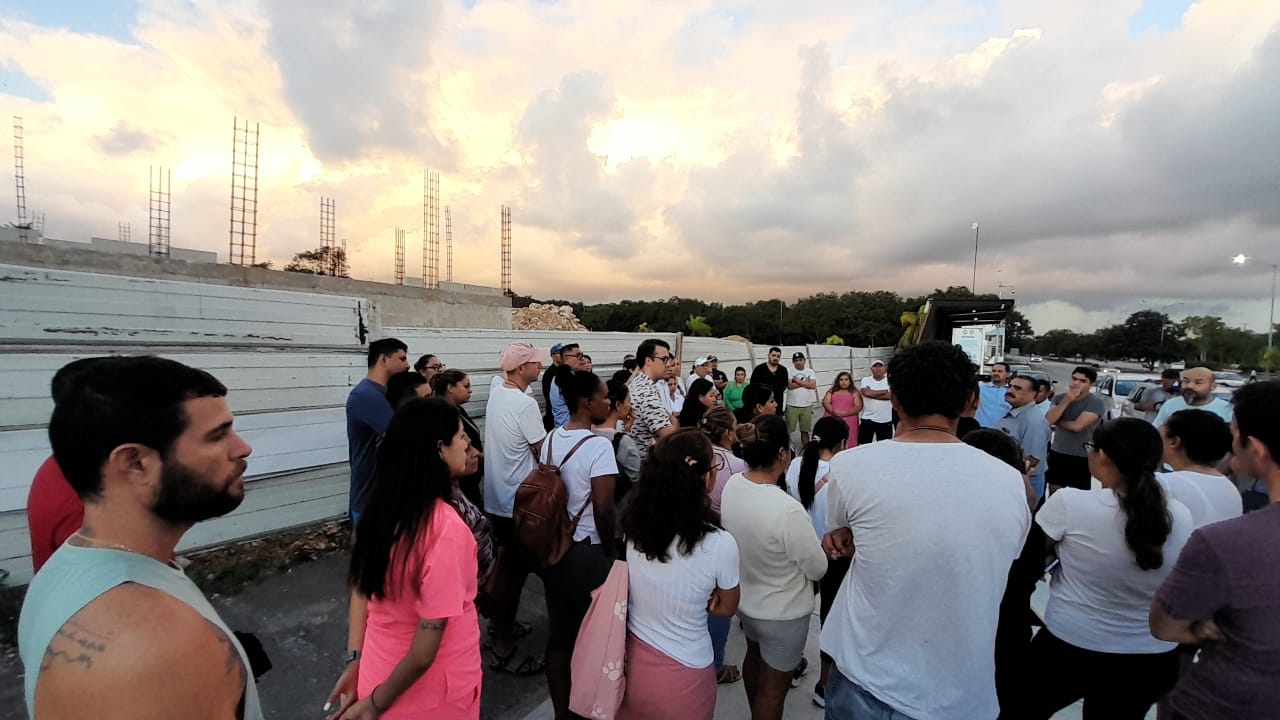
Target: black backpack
623,483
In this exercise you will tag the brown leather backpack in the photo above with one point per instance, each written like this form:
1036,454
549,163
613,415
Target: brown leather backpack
541,511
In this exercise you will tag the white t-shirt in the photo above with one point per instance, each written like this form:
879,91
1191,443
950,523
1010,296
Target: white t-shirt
1218,406
802,397
594,459
818,511
667,604
1099,598
877,411
512,423
936,528
780,557
1210,498
497,380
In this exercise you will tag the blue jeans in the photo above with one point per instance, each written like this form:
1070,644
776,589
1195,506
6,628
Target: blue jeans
846,701
719,629
1037,484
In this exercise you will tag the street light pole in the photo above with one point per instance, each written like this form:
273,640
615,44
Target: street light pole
973,286
1241,259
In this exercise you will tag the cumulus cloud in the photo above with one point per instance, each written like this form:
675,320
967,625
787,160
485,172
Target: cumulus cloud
729,149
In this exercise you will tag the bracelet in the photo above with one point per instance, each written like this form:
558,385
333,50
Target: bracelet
373,702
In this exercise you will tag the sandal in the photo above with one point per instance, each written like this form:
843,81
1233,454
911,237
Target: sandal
728,675
527,667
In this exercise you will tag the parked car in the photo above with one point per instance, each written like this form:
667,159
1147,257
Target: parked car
1035,359
1115,387
1033,374
1229,379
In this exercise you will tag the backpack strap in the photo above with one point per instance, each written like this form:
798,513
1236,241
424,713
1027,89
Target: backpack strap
587,503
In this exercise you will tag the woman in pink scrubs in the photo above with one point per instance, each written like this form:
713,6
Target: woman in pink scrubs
414,638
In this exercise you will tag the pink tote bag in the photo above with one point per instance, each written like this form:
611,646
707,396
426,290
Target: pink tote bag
599,681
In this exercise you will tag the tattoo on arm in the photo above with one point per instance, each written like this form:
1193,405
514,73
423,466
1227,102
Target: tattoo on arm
235,666
434,625
74,644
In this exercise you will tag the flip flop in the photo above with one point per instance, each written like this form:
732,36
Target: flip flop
527,667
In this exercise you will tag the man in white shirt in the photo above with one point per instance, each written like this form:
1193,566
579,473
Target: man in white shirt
802,394
876,422
932,525
513,435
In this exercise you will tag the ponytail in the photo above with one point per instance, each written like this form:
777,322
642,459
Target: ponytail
828,433
1136,449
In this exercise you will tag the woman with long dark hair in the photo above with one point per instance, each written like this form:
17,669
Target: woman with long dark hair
1115,545
454,387
780,559
702,396
682,568
843,401
806,480
414,637
757,399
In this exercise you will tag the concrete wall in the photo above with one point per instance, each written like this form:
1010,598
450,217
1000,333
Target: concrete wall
453,305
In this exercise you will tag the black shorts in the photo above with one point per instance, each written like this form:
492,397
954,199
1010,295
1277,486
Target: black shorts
568,585
1068,471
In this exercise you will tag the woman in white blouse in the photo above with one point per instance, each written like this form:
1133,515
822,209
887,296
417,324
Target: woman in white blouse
1115,545
781,557
681,567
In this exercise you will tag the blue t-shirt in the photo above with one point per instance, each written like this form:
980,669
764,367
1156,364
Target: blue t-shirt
993,406
1218,406
368,415
559,410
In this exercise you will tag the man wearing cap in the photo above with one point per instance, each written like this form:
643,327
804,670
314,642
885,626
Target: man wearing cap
717,375
513,435
1154,398
876,422
802,393
701,369
548,419
571,361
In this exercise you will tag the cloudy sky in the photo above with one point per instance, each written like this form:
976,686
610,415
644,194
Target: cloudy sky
1115,153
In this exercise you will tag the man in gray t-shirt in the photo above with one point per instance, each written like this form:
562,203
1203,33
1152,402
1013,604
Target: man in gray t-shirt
1153,398
1074,416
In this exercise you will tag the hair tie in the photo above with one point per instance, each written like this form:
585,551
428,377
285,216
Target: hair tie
688,460
815,438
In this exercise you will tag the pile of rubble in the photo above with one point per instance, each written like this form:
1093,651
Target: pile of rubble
545,317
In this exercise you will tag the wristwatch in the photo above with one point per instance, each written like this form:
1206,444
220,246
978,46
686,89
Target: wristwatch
352,656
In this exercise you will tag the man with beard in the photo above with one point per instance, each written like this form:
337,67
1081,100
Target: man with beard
111,628
1197,394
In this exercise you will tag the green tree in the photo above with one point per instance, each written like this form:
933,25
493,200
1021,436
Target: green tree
697,326
835,340
321,261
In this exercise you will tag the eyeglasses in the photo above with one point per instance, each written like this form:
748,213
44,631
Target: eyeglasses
572,355
668,359
435,367
1090,447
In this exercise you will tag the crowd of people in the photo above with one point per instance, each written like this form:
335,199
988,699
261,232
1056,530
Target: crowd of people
916,515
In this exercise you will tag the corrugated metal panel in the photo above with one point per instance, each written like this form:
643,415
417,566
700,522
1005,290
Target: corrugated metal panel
271,504
41,305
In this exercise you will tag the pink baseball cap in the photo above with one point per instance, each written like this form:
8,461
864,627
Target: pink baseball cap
519,353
